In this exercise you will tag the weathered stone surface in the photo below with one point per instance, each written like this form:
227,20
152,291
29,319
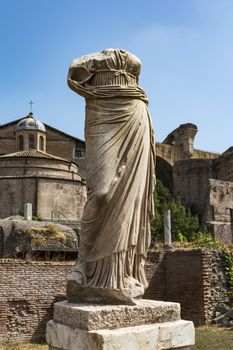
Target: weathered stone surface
167,228
230,314
120,160
92,317
76,293
219,319
22,236
175,335
224,315
199,272
28,290
223,308
28,211
183,348
59,186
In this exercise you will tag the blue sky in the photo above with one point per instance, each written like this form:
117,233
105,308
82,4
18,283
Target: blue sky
185,46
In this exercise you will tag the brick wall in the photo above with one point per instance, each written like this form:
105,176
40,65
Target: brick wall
27,293
155,271
194,278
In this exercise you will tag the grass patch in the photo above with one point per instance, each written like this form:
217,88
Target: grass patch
214,338
46,235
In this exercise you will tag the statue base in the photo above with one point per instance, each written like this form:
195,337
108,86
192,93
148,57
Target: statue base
76,293
147,325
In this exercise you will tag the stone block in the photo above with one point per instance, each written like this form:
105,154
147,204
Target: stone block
161,336
91,317
149,325
230,314
176,334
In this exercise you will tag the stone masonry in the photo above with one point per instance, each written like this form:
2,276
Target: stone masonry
27,293
198,281
28,290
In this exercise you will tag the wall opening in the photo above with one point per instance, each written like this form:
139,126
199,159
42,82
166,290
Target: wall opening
164,173
31,142
21,142
41,143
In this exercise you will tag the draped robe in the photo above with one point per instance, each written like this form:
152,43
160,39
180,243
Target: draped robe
120,163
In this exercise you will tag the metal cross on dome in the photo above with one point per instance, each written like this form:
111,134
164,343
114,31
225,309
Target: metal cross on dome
31,103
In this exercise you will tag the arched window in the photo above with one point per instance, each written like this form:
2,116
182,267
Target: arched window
31,142
41,143
21,142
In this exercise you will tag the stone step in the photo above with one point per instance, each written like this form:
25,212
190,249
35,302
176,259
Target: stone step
91,317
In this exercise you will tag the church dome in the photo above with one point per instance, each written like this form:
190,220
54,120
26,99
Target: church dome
30,123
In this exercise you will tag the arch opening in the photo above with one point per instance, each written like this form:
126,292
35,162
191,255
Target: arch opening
41,143
21,142
31,142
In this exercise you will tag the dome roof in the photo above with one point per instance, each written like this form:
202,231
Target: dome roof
30,123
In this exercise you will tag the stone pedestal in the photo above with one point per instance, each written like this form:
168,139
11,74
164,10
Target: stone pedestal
148,325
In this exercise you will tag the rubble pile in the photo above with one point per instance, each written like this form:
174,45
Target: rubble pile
224,315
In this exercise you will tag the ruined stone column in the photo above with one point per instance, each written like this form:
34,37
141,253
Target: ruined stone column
167,227
27,211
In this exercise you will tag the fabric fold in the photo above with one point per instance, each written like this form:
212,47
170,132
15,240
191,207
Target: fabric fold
120,160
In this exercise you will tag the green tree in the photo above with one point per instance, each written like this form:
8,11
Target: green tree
184,224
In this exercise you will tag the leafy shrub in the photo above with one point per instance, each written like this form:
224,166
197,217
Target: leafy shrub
36,218
46,235
184,224
205,240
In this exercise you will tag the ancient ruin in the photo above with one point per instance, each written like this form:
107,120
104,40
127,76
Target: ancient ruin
200,179
54,160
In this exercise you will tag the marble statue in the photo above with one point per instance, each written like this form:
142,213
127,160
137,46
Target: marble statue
120,163
116,220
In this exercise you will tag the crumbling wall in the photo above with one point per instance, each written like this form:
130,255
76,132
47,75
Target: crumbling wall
219,210
224,166
194,278
191,182
214,282
27,293
66,197
46,195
